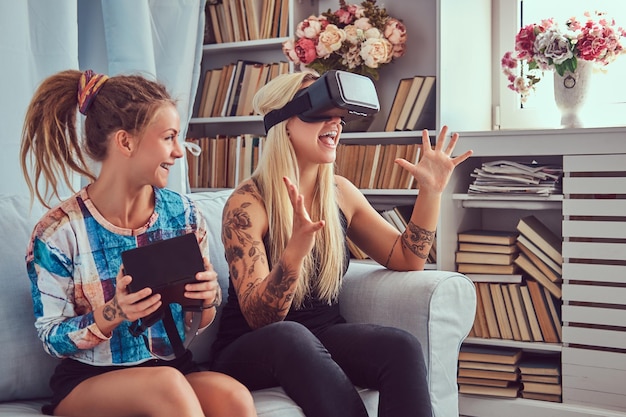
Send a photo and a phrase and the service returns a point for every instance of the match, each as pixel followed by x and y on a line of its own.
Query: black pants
pixel 319 373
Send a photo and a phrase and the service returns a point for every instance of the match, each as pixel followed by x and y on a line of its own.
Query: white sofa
pixel 437 306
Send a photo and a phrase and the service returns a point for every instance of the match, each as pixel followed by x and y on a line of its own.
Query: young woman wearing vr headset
pixel 284 231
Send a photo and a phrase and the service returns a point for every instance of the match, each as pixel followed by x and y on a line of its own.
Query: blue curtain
pixel 162 38
pixel 158 38
pixel 37 39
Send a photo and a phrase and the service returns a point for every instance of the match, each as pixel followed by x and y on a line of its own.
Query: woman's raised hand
pixel 304 229
pixel 435 166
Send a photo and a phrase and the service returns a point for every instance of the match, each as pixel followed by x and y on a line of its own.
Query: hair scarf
pixel 89 85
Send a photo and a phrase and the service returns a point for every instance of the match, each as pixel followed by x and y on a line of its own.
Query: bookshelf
pixel 593 351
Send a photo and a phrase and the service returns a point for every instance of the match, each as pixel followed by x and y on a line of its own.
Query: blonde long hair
pixel 279 160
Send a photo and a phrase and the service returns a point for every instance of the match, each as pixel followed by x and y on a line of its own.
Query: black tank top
pixel 315 314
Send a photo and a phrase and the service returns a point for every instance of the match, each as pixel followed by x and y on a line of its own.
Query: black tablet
pixel 165 266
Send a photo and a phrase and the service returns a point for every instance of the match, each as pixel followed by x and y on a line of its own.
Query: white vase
pixel 570 93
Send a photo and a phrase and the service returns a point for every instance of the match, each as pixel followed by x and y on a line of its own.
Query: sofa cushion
pixel 25 368
pixel 210 204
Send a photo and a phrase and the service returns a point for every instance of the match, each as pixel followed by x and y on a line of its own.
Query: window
pixel 606 104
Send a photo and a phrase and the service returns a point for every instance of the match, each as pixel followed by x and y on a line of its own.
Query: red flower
pixel 305 50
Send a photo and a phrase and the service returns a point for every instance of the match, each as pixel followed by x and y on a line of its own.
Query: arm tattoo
pixel 418 240
pixel 110 312
pixel 391 251
pixel 243 253
pixel 272 304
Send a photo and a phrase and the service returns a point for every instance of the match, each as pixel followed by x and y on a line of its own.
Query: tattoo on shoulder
pixel 418 240
pixel 238 241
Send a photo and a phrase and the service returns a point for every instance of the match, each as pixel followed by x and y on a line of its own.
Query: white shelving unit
pixel 594 375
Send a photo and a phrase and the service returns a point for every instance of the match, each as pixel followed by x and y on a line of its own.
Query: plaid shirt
pixel 73 260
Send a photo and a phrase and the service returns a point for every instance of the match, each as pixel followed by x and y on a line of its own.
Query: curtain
pixel 37 39
pixel 162 39
pixel 158 38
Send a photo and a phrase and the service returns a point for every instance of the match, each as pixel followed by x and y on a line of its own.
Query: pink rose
pixel 395 31
pixel 305 50
pixel 524 41
pixel 289 51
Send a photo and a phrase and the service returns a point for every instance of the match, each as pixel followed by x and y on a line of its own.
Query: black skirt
pixel 70 373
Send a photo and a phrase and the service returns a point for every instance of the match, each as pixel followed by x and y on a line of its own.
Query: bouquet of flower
pixel 544 46
pixel 355 38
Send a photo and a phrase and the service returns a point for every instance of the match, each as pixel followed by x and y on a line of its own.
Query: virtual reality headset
pixel 335 94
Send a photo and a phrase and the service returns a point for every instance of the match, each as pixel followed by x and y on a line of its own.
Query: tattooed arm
pixel 264 296
pixel 408 250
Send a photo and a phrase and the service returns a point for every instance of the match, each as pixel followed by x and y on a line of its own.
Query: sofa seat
pixel 436 306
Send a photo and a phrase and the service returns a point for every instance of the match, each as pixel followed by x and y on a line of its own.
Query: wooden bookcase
pixel 594 337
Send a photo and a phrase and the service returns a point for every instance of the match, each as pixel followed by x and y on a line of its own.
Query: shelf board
pixel 536 346
pixel 553 202
pixel 582 141
pixel 244 45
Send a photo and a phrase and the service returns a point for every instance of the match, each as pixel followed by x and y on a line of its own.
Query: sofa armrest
pixel 436 306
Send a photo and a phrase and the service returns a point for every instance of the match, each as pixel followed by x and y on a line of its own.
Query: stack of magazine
pixel 516 178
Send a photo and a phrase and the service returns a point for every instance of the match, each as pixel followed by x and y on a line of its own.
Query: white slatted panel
pixel 594 274
pixel 601 185
pixel 594 250
pixel 594 294
pixel 594 378
pixel 582 228
pixel 600 207
pixel 591 272
pixel 594 163
pixel 593 315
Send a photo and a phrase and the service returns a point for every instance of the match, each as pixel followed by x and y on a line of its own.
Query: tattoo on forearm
pixel 110 312
pixel 418 240
pixel 271 305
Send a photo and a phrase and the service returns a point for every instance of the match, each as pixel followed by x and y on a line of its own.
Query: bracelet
pixel 210 306
pixel 216 302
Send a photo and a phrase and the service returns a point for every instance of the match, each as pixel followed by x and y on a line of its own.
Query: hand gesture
pixel 304 229
pixel 435 167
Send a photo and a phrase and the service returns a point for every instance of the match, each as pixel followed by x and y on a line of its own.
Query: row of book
pixel 414 105
pixel 228 91
pixel 224 161
pixel 245 20
pixel 518 276
pixel 515 178
pixel 373 166
pixel 398 217
pixel 516 311
pixel 509 373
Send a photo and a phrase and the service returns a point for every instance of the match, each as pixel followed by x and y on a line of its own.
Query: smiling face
pixel 158 147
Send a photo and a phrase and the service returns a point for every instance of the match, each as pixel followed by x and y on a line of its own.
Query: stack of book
pixel 519 299
pixel 414 105
pixel 541 259
pixel 514 178
pixel 487 252
pixel 489 371
pixel 541 377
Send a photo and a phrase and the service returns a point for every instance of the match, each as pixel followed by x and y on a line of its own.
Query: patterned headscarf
pixel 89 85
